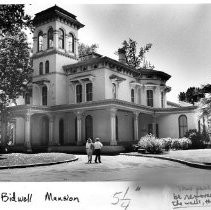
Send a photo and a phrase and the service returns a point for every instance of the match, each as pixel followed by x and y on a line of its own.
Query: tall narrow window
pixel 76 130
pixel 89 92
pixel 199 126
pixel 132 95
pixel 157 130
pixel 41 68
pixel 27 98
pixel 114 90
pixel 61 38
pixel 40 41
pixel 89 127
pixel 50 38
pixel 44 96
pixel 183 125
pixel 71 43
pixel 117 128
pixel 47 67
pixel 78 93
pixel 150 98
pixel 162 99
pixel 61 132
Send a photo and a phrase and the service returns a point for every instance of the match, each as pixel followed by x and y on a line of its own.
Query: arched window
pixel 41 68
pixel 71 43
pixel 78 93
pixel 114 90
pixel 50 38
pixel 117 128
pixel 150 98
pixel 47 67
pixel 132 95
pixel 183 125
pixel 61 132
pixel 89 92
pixel 89 126
pixel 61 38
pixel 44 96
pixel 40 41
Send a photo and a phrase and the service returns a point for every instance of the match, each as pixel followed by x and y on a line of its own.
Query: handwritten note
pixel 191 196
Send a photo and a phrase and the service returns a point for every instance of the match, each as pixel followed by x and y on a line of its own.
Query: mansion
pixel 74 98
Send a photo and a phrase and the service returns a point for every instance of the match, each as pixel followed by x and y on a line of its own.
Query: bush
pixel 151 144
pixel 198 140
pixel 181 144
pixel 166 143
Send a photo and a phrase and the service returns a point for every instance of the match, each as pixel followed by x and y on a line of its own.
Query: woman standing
pixel 89 149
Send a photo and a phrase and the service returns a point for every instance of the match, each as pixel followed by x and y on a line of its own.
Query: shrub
pixel 198 139
pixel 166 143
pixel 181 144
pixel 151 144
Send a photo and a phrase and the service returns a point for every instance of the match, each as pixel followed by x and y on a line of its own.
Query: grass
pixel 26 159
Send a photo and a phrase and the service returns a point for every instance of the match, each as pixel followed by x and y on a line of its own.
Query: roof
pixel 56 12
pixel 100 59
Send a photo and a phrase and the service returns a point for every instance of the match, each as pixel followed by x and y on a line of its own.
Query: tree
pixel 205 106
pixel 134 58
pixel 84 49
pixel 192 95
pixel 13 18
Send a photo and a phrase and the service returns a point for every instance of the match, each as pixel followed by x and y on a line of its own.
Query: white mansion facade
pixel 74 98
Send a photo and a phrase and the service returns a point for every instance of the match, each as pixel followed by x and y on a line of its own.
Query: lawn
pixel 17 159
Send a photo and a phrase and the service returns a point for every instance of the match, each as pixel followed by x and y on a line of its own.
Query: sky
pixel 180 35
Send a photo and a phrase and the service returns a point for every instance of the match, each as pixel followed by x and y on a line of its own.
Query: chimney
pixel 121 53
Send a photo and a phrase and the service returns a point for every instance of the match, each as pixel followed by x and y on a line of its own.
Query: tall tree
pixel 192 95
pixel 134 57
pixel 84 49
pixel 13 18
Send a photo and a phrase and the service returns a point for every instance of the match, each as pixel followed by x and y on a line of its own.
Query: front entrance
pixel 89 127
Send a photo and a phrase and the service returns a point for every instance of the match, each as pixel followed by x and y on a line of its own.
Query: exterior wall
pixel 169 126
pixel 19 137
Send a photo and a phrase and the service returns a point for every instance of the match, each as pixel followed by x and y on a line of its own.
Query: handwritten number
pixel 116 196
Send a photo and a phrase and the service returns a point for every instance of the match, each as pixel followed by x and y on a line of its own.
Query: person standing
pixel 89 149
pixel 98 146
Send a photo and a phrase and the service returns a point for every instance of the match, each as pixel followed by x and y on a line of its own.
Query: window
pixel 117 130
pixel 50 38
pixel 61 38
pixel 199 126
pixel 114 90
pixel 132 96
pixel 150 129
pixel 61 132
pixel 40 41
pixel 89 92
pixel 157 130
pixel 47 67
pixel 150 98
pixel 44 96
pixel 41 68
pixel 89 127
pixel 162 99
pixel 76 130
pixel 71 43
pixel 27 98
pixel 78 93
pixel 183 126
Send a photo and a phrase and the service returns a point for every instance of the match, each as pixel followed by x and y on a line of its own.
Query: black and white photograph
pixel 105 106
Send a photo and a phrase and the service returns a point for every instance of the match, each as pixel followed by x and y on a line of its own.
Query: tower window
pixel 50 38
pixel 150 98
pixel 40 41
pixel 61 38
pixel 47 67
pixel 71 43
pixel 41 68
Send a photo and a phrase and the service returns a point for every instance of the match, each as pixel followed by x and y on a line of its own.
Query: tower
pixel 55 43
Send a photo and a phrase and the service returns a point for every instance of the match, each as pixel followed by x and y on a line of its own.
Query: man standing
pixel 98 145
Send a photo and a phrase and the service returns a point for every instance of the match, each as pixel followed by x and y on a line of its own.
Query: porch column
pixel 136 115
pixel 113 126
pixel 79 130
pixel 154 122
pixel 27 142
pixel 51 129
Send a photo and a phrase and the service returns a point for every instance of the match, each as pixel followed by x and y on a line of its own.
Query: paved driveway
pixel 113 168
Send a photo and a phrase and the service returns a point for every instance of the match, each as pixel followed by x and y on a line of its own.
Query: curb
pixel 188 163
pixel 37 164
